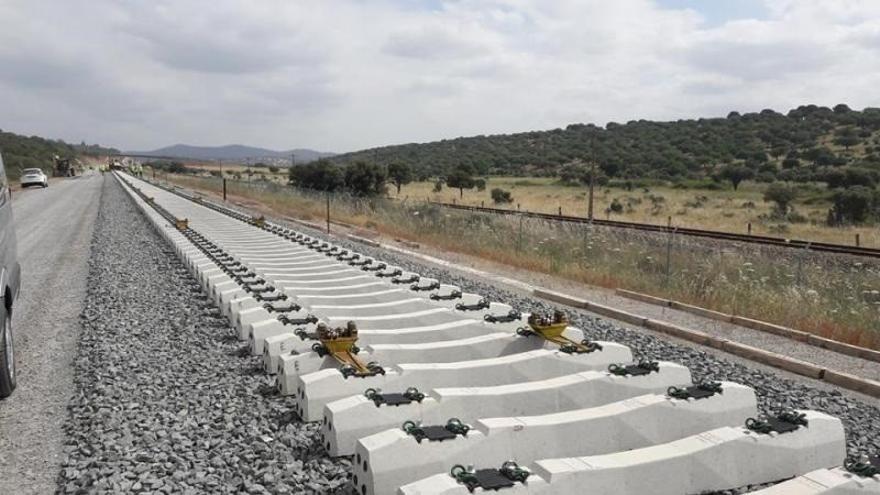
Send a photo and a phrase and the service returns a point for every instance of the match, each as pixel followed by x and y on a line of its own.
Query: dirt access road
pixel 54 228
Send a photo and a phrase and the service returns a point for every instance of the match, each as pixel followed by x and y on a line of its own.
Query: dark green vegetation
pixel 806 136
pixel 836 146
pixel 21 152
pixel 359 178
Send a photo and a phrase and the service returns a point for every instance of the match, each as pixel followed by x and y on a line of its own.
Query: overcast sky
pixel 340 75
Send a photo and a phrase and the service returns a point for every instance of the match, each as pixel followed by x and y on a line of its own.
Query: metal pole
pixel 592 180
pixel 668 255
pixel 858 241
pixel 328 212
pixel 224 189
pixel 520 239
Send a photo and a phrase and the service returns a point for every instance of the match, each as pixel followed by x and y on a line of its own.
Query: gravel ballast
pixel 162 401
pixel 861 418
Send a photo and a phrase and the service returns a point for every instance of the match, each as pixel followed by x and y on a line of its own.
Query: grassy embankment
pixel 834 298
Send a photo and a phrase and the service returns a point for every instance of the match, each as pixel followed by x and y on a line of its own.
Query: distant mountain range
pixel 236 153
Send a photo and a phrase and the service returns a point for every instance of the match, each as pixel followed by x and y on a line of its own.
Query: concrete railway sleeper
pixel 713 460
pixel 856 477
pixel 346 420
pixel 491 398
pixel 393 459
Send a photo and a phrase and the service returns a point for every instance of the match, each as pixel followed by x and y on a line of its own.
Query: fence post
pixel 800 263
pixel 224 189
pixel 858 242
pixel 520 236
pixel 560 211
pixel 669 255
pixel 750 228
pixel 328 212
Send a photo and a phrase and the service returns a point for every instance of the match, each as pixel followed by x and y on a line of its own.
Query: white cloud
pixel 350 74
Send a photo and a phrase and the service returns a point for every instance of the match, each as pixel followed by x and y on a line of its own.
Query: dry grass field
pixel 725 210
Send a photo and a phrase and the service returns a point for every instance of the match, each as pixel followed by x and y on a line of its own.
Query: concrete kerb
pixel 845 380
pixel 769 328
pixel 848 349
pixel 868 387
pixel 638 296
pixel 762 326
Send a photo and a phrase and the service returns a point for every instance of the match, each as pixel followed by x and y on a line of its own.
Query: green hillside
pixel 20 152
pixel 772 145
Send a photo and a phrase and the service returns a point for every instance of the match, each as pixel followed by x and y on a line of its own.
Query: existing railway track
pixel 663 229
pixel 446 379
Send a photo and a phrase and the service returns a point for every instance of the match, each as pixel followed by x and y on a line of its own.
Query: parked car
pixel 10 278
pixel 33 177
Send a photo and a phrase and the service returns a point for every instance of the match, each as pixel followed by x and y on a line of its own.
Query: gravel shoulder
pixel 164 402
pixel 54 229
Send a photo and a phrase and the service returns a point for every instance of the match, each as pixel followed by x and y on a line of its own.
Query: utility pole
pixel 328 212
pixel 592 176
pixel 592 181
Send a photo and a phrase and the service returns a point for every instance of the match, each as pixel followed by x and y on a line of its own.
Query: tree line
pixel 21 152
pixel 806 135
pixel 838 146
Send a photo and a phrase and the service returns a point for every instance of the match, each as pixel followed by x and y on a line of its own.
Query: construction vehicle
pixel 63 168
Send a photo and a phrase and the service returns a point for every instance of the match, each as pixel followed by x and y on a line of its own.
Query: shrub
pixel 616 206
pixel 782 195
pixel 853 205
pixel 500 196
